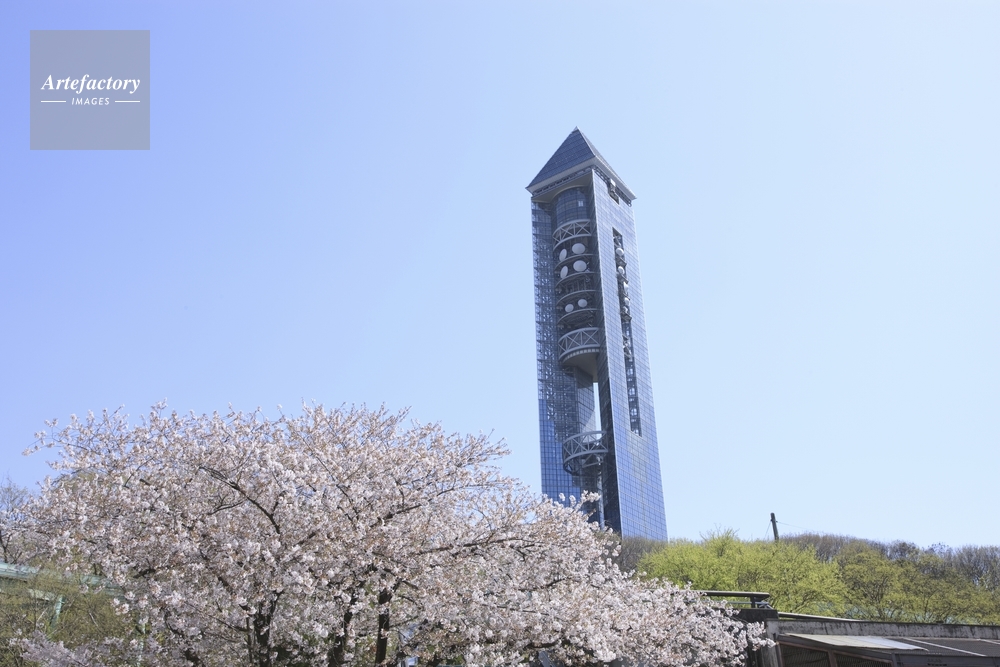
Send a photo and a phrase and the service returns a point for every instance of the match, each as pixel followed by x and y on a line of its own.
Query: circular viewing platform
pixel 582 451
pixel 580 348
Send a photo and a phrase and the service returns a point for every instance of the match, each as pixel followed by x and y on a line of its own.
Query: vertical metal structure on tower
pixel 594 395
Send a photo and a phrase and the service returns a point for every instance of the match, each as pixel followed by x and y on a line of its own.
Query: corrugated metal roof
pixel 979 647
pixel 864 641
pixel 952 647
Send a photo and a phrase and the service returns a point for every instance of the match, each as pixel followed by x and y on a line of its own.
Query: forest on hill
pixel 836 575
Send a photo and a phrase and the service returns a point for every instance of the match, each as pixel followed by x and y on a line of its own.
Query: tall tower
pixel 595 400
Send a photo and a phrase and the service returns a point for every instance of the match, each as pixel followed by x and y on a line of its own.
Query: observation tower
pixel 595 405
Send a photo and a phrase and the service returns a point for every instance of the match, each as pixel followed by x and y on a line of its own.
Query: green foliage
pixel 631 551
pixel 837 575
pixel 916 586
pixel 62 609
pixel 795 578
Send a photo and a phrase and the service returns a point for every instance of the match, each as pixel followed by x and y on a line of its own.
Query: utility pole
pixel 774 526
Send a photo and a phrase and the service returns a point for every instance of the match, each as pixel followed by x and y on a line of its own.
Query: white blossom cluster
pixel 344 537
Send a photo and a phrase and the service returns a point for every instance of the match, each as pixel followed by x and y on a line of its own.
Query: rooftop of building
pixel 575 153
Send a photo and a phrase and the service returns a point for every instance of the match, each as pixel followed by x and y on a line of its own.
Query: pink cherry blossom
pixel 346 537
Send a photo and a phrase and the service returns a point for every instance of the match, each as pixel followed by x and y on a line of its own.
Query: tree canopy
pixel 796 580
pixel 837 575
pixel 342 538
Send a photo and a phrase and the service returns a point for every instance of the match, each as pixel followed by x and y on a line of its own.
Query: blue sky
pixel 333 209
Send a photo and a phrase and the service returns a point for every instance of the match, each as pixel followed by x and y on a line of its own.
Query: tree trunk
pixel 382 642
pixel 259 638
pixel 192 657
pixel 262 639
pixel 336 656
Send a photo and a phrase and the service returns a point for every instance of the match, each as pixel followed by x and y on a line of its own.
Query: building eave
pixel 541 189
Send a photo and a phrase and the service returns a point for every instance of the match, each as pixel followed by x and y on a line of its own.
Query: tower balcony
pixel 570 228
pixel 576 306
pixel 574 267
pixel 585 279
pixel 580 348
pixel 583 451
pixel 573 245
pixel 579 317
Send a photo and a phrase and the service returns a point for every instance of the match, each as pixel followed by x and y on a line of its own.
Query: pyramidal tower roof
pixel 576 152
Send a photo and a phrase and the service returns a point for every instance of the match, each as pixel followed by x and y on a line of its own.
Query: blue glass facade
pixel 597 424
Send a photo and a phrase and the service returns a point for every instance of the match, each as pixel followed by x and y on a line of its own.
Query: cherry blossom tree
pixel 14 544
pixel 342 538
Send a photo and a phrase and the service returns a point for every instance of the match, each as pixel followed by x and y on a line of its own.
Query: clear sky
pixel 333 209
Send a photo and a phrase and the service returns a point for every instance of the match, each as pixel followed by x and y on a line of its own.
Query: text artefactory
pixel 86 83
